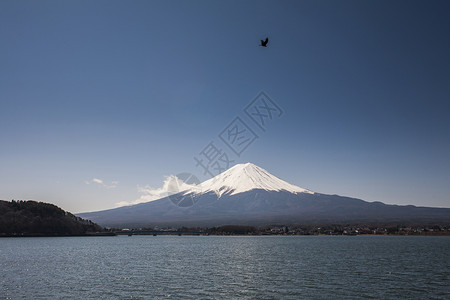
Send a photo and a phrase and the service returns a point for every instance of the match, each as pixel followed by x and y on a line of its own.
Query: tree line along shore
pixel 30 218
pixel 338 229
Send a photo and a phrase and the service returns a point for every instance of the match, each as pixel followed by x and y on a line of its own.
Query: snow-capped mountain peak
pixel 245 177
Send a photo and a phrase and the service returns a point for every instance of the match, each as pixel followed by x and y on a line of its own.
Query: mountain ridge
pixel 247 194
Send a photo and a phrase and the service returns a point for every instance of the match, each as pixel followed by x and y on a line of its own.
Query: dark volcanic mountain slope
pixel 260 207
pixel 247 194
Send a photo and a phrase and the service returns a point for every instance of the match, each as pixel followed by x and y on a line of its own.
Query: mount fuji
pixel 243 178
pixel 247 194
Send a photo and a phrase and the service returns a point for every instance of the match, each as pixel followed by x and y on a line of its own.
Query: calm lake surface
pixel 213 267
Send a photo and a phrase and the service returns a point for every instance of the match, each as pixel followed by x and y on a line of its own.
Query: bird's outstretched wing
pixel 264 42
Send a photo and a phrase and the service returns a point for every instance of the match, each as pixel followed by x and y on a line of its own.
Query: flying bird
pixel 264 43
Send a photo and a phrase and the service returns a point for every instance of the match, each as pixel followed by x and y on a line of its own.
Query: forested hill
pixel 31 218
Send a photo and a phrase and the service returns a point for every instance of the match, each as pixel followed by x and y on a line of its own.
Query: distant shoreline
pixel 225 235
pixel 57 235
pixel 205 233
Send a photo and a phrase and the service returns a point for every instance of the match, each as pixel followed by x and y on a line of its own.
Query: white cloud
pixel 96 180
pixel 101 182
pixel 171 185
pixel 113 184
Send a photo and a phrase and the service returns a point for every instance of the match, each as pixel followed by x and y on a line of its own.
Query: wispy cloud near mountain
pixel 171 185
pixel 100 182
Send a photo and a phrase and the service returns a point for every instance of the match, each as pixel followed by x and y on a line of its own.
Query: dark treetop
pixel 31 218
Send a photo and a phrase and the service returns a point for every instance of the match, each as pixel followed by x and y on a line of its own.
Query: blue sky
pixel 101 100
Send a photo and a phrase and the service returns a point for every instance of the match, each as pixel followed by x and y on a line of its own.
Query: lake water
pixel 213 267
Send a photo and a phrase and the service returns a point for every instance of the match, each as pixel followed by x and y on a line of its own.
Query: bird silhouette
pixel 264 43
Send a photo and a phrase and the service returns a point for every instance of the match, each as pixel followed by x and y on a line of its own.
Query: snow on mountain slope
pixel 245 177
pixel 243 202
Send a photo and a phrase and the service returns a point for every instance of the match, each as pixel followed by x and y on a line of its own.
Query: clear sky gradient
pixel 101 100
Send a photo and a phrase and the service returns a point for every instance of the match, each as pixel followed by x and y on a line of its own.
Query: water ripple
pixel 274 267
